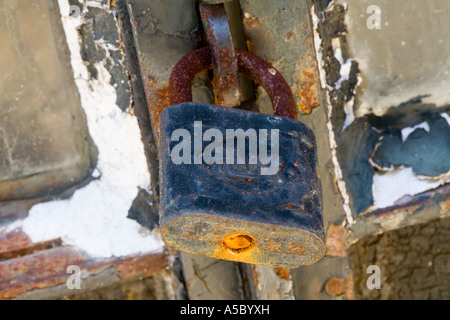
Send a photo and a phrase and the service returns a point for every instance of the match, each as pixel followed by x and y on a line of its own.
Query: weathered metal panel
pixel 43 132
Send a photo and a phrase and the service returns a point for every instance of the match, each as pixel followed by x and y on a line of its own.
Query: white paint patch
pixel 345 65
pixel 390 187
pixel 407 131
pixel 337 169
pixel 344 72
pixel 95 218
pixel 349 114
pixel 94 3
pixel 318 49
pixel 345 68
pixel 446 117
pixel 330 6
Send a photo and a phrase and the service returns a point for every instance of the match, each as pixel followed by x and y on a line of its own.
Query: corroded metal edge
pixel 303 248
pixel 39 266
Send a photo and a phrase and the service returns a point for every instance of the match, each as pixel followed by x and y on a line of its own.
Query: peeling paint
pixel 423 147
pixel 407 131
pixel 404 58
pixel 345 64
pixel 345 72
pixel 446 117
pixel 318 49
pixel 94 219
pixel 321 63
pixel 390 187
pixel 421 131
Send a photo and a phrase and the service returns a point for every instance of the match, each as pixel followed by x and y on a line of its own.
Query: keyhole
pixel 238 243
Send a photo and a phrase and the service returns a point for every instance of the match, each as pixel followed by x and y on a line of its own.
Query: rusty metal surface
pixel 160 43
pixel 233 212
pixel 44 140
pixel 26 266
pixel 225 62
pixel 307 92
pixel 281 247
pixel 414 210
pixel 16 243
pixel 252 66
pixel 280 32
pixel 36 271
pixel 336 241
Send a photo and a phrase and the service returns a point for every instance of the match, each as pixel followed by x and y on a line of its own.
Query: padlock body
pixel 258 211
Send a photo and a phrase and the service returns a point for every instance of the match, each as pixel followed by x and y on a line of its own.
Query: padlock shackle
pixel 257 69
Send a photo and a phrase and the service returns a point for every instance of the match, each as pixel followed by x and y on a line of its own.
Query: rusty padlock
pixel 226 192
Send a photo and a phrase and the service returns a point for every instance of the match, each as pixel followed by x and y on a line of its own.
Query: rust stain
pixel 273 247
pixel 238 243
pixel 445 206
pixel 26 266
pixel 13 240
pixel 283 273
pixel 257 36
pixel 226 75
pixel 37 271
pixel 249 256
pixel 294 248
pixel 336 286
pixel 170 252
pixel 250 22
pixel 158 99
pixel 249 46
pixel 306 95
pixel 16 243
pixel 336 241
pixel 226 78
pixel 289 35
pixel 48 268
pixel 306 83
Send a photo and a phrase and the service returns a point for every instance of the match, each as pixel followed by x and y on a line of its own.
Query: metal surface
pixel 39 270
pixel 44 139
pixel 231 211
pixel 252 66
pixel 226 71
pixel 159 47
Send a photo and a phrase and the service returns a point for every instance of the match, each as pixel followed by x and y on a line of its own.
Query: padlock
pixel 239 185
